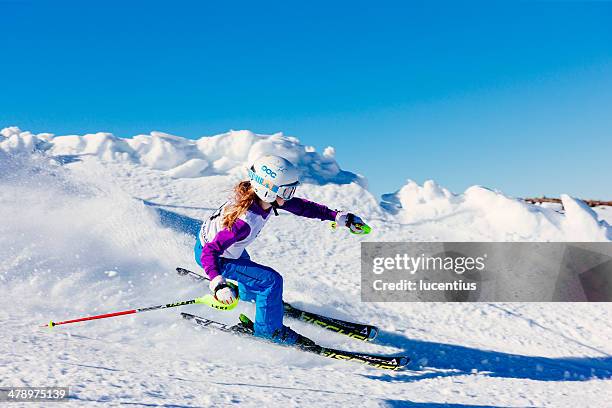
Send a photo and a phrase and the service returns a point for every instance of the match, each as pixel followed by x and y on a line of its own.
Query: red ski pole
pixel 206 300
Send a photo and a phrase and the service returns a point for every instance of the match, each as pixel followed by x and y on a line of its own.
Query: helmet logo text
pixel 268 171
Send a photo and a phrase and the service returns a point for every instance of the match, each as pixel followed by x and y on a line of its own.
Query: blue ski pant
pixel 255 282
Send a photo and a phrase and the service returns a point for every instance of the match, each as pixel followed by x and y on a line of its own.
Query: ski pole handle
pixel 364 228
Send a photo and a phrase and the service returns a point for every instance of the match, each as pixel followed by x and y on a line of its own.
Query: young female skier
pixel 220 245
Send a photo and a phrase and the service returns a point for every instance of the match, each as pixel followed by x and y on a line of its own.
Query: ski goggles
pixel 285 192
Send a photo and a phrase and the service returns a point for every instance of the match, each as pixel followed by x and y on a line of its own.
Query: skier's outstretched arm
pixel 309 209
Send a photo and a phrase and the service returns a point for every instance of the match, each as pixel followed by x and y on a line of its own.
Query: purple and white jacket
pixel 219 242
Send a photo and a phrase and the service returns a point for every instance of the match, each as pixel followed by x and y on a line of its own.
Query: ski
pixel 358 331
pixel 244 329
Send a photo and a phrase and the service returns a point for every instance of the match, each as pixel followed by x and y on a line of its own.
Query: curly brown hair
pixel 244 197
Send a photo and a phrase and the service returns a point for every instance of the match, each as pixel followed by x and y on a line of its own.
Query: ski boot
pixel 286 336
pixel 283 336
pixel 289 337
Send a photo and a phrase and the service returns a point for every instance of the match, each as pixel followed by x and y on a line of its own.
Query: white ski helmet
pixel 273 176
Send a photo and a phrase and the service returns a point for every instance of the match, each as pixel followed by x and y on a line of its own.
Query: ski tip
pixel 372 334
pixel 181 271
pixel 397 363
pixel 403 361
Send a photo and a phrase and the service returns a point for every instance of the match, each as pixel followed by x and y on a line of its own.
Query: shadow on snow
pixel 176 221
pixel 411 404
pixel 455 360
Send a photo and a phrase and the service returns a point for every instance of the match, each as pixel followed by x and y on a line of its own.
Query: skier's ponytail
pixel 243 200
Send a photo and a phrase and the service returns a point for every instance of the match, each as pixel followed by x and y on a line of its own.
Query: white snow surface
pixel 96 223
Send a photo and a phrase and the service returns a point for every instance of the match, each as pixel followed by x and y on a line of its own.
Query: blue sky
pixel 512 95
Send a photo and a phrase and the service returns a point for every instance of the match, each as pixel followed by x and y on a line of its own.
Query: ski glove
pixel 349 220
pixel 222 291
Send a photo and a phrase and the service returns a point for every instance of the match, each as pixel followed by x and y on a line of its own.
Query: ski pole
pixel 205 300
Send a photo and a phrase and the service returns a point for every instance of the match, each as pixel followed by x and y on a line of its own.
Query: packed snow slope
pixel 95 223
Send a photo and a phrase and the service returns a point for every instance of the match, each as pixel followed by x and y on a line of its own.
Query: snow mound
pixel 227 153
pixel 583 221
pixel 15 142
pixel 491 215
pixel 479 214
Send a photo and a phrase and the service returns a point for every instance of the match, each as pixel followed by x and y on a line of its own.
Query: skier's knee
pixel 276 280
